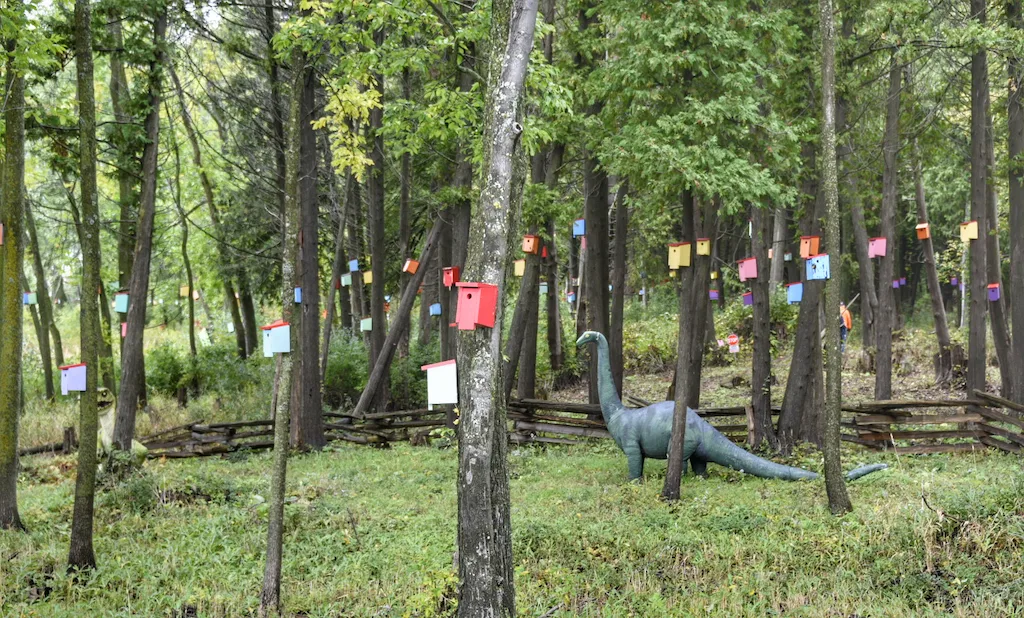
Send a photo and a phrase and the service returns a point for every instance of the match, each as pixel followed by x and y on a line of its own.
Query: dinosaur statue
pixel 644 433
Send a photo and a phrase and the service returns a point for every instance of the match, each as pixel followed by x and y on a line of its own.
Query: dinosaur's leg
pixel 700 467
pixel 636 463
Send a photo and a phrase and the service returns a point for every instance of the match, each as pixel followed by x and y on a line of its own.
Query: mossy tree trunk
pixel 978 311
pixel 887 308
pixel 45 302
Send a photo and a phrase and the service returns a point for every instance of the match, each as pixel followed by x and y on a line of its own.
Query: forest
pixel 391 308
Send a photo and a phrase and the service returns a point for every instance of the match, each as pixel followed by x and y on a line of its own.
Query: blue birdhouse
pixel 543 287
pixel 353 266
pixel 298 295
pixel 435 309
pixel 794 293
pixel 579 228
pixel 817 267
pixel 121 303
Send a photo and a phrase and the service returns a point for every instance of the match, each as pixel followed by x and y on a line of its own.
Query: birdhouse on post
pixel 923 232
pixel 748 268
pixel 451 276
pixel 72 378
pixel 411 266
pixel 968 231
pixel 520 268
pixel 478 304
pixel 703 246
pixel 442 384
pixel 877 246
pixel 531 244
pixel 277 338
pixel 809 246
pixel 993 292
pixel 748 299
pixel 353 266
pixel 121 302
pixel 818 267
pixel 29 298
pixel 794 293
pixel 678 255
pixel 579 228
pixel 435 309
pixel 368 277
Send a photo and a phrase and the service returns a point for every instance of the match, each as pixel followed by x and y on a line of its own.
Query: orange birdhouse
pixel 531 244
pixel 923 232
pixel 809 246
pixel 411 266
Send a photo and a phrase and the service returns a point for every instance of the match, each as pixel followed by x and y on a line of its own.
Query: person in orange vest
pixel 845 325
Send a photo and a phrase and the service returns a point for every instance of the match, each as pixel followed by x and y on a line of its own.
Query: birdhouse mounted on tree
pixel 442 384
pixel 787 257
pixel 993 292
pixel 771 253
pixel 346 279
pixel 678 255
pixel 748 268
pixel 366 324
pixel 923 232
pixel 298 295
pixel 876 247
pixel 520 267
pixel 353 266
pixel 954 281
pixel 451 276
pixel 531 244
pixel 571 297
pixel 818 267
pixel 794 293
pixel 713 294
pixel 1 234
pixel 895 284
pixel 968 231
pixel 124 329
pixel 121 302
pixel 183 291
pixel 748 299
pixel 714 275
pixel 277 338
pixel 478 303
pixel 703 246
pixel 72 378
pixel 543 287
pixel 411 266
pixel 435 309
pixel 809 246
pixel 29 298
pixel 903 281
pixel 579 228
pixel 368 277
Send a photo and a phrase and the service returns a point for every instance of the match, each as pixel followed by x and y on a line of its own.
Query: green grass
pixel 372 533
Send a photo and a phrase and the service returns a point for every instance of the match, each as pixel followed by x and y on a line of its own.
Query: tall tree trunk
pixel 485 533
pixel 994 267
pixel 11 316
pixel 556 352
pixel 618 283
pixel 761 367
pixel 835 485
pixel 193 387
pixel 1015 114
pixel 405 216
pixel 890 187
pixel 80 553
pixel 133 380
pixel 355 252
pixel 128 158
pixel 334 287
pixel 45 303
pixel 979 180
pixel 248 308
pixel 529 292
pixel 375 218
pixel 780 229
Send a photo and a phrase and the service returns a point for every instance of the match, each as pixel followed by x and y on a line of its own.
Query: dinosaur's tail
pixel 723 452
pixel 856 473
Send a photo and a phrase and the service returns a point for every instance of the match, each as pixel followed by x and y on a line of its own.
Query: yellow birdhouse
pixel 520 267
pixel 678 255
pixel 183 291
pixel 368 277
pixel 703 246
pixel 968 231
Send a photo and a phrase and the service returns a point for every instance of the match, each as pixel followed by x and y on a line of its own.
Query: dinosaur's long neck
pixel 611 405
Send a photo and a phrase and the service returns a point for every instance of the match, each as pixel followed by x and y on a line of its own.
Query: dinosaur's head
pixel 587 337
pixel 104 398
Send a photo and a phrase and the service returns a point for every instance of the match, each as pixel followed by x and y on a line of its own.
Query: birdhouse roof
pixel 436 365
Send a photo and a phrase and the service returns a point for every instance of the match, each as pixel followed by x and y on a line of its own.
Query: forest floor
pixel 371 532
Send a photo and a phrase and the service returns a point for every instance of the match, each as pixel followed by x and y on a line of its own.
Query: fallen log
pixel 586 432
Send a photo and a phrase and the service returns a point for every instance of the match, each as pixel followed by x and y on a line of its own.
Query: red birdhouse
pixel 477 305
pixel 451 276
pixel 531 244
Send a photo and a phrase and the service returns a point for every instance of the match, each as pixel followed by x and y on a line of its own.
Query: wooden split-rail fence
pixel 905 426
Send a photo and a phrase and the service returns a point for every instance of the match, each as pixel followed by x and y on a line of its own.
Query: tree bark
pixel 187 263
pixel 133 380
pixel 405 217
pixel 994 262
pixel 45 303
pixel 375 218
pixel 835 485
pixel 761 367
pixel 556 338
pixel 1015 113
pixel 485 535
pixel 334 287
pixel 618 282
pixel 780 230
pixel 127 159
pixel 979 180
pixel 890 187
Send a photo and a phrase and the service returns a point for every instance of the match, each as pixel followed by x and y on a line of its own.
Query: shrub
pixel 165 369
pixel 347 370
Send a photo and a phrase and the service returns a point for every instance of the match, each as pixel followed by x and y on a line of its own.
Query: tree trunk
pixel 127 159
pixel 45 304
pixel 780 230
pixel 405 217
pixel 618 283
pixel 334 287
pixel 1015 113
pixel 521 316
pixel 979 180
pixel 761 367
pixel 994 267
pixel 485 535
pixel 80 553
pixel 890 187
pixel 556 353
pixel 133 378
pixel 835 485
pixel 375 218
pixel 193 388
pixel 248 312
pixel 355 252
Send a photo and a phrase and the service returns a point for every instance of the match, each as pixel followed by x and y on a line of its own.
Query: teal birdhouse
pixel 121 303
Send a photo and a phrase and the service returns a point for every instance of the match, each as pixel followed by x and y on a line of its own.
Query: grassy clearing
pixel 371 533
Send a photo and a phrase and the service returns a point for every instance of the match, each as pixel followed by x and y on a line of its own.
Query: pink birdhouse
pixel 477 305
pixel 748 268
pixel 876 247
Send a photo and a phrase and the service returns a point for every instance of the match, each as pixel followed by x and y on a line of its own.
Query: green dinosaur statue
pixel 643 433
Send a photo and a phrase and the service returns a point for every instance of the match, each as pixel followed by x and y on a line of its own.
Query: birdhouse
pixel 29 298
pixel 124 329
pixel 368 277
pixel 748 299
pixel 520 267
pixel 787 257
pixel 442 383
pixel 993 292
pixel 714 275
pixel 922 231
pixel 366 324
pixel 353 266
pixel 544 252
pixel 1 234
pixel 678 255
pixel 183 291
pixel 411 266
pixel 277 338
pixel 337 284
pixel 195 294
pixel 876 247
pixel 748 268
pixel 346 279
pixel 231 327
pixel 954 281
pixel 903 281
pixel 543 287
pixel 895 284
pixel 72 378
pixel 968 231
pixel 571 297
pixel 703 246
pixel 478 303
pixel 435 309
pixel 794 293
pixel 809 246
pixel 387 306
pixel 771 253
pixel 579 228
pixel 818 267
pixel 298 295
pixel 713 294
pixel 531 244
pixel 451 276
